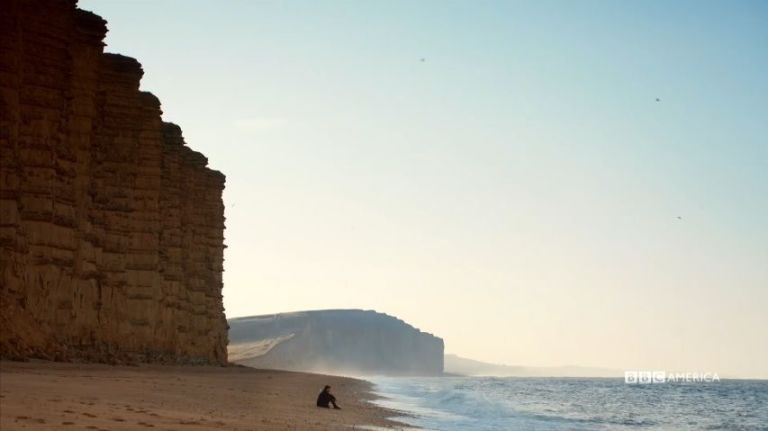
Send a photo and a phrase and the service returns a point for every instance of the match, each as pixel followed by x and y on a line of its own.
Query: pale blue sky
pixel 516 192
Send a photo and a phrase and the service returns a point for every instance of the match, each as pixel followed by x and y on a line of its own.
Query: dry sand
pixel 48 396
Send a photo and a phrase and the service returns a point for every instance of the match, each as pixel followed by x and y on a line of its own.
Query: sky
pixel 539 183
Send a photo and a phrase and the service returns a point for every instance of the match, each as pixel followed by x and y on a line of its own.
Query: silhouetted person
pixel 325 399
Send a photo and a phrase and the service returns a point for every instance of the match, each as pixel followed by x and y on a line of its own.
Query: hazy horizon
pixel 538 183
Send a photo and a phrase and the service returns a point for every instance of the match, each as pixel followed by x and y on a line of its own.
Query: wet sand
pixel 46 396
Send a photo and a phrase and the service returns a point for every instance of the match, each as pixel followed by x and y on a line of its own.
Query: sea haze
pixel 515 403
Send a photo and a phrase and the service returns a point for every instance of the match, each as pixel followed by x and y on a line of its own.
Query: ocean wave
pixel 493 404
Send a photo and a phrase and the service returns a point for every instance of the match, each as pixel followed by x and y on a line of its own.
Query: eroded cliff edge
pixel 111 229
pixel 347 342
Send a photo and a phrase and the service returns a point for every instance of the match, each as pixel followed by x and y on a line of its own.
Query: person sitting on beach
pixel 325 399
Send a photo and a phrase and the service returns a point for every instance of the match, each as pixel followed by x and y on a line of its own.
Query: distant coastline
pixel 460 366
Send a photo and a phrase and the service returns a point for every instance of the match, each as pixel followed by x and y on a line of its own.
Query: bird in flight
pixel 423 60
pixel 679 218
pixel 658 100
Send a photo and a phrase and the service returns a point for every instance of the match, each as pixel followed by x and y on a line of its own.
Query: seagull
pixel 423 59
pixel 679 218
pixel 658 100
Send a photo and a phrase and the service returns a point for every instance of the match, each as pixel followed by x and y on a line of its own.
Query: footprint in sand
pixel 89 415
pixel 27 418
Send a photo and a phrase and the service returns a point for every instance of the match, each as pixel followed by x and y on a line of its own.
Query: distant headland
pixel 357 342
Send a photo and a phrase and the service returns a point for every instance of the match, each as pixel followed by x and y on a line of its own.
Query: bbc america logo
pixel 645 377
pixel 652 377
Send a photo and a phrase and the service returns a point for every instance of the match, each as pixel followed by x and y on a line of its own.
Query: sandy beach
pixel 46 395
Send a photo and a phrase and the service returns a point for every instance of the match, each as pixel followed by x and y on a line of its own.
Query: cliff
pixel 111 229
pixel 335 342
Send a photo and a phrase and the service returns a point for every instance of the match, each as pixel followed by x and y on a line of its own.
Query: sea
pixel 585 404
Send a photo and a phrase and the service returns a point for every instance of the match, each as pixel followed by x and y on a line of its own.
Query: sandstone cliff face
pixel 111 229
pixel 337 342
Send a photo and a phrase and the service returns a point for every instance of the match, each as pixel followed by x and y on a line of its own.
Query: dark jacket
pixel 325 399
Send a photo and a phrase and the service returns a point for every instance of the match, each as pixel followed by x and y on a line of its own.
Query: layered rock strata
pixel 111 228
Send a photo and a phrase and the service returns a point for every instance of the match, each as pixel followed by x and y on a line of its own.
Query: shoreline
pixel 39 395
